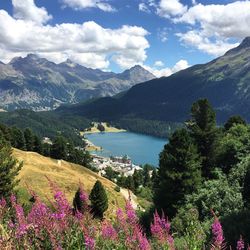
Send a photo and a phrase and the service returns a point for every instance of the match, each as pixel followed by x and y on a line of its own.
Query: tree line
pixel 61 148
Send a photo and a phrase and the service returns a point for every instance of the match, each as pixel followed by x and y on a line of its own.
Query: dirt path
pixel 128 195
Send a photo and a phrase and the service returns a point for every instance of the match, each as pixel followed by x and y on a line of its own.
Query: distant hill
pixel 66 175
pixel 225 81
pixel 36 83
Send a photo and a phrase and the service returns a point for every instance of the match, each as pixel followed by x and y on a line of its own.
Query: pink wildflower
pixel 240 244
pixel 108 231
pixel 131 215
pixel 2 203
pixel 160 230
pixel 217 232
pixel 90 243
pixel 21 224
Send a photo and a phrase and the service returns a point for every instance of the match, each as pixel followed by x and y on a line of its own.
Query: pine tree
pixel 179 172
pixel 234 120
pixel 78 203
pixel 37 145
pixel 202 127
pixel 130 183
pixel 59 148
pixel 9 169
pixel 99 200
pixel 17 138
pixel 138 178
pixel 6 132
pixel 29 139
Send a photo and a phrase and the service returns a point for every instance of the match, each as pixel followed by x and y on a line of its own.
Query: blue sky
pixel 164 36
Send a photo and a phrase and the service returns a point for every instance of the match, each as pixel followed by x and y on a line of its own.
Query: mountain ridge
pixel 39 84
pixel 225 81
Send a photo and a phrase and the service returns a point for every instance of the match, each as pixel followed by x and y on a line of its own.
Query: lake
pixel 140 148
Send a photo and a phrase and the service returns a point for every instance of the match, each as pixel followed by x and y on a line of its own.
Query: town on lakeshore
pixel 122 165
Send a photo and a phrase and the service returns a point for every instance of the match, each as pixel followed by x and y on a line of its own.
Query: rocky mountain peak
pixel 245 43
pixel 32 57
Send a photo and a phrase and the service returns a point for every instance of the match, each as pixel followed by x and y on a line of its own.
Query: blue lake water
pixel 140 148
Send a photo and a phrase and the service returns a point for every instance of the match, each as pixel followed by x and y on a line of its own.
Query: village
pixel 122 165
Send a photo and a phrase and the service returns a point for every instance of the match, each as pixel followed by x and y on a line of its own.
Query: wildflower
pixel 2 203
pixel 240 244
pixel 108 231
pixel 21 225
pixel 143 242
pixel 131 215
pixel 217 232
pixel 90 243
pixel 160 230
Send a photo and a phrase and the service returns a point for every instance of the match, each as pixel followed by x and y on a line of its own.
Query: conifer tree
pixel 9 169
pixel 29 139
pixel 17 138
pixel 78 203
pixel 202 127
pixel 179 172
pixel 59 148
pixel 234 120
pixel 99 200
pixel 37 147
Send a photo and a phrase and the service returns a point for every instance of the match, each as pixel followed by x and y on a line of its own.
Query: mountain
pixel 36 83
pixel 225 81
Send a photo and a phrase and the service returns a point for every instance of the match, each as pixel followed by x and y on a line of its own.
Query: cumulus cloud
pixel 214 26
pixel 83 4
pixel 27 10
pixel 197 40
pixel 88 43
pixel 231 20
pixel 168 8
pixel 180 65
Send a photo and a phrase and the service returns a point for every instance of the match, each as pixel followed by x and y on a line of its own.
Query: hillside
pixel 224 81
pixel 66 175
pixel 36 83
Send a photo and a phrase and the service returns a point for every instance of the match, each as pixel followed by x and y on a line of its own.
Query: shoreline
pixel 94 130
pixel 106 129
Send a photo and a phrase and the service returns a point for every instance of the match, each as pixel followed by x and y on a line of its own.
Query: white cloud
pixel 158 64
pixel 168 8
pixel 214 26
pixel 180 65
pixel 88 44
pixel 83 4
pixel 197 40
pixel 27 10
pixel 144 8
pixel 231 20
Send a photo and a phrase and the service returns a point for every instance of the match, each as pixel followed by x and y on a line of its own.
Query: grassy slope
pixel 66 175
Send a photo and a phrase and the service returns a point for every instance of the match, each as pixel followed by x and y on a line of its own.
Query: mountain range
pixel 36 83
pixel 225 81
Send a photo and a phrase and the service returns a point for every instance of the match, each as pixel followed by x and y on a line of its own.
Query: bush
pixel 117 189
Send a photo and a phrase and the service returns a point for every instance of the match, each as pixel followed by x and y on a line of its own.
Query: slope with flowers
pixel 67 176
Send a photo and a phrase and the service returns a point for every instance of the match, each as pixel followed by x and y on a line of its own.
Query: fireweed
pixel 59 226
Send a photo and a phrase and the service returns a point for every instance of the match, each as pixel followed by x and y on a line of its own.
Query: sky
pixel 164 36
